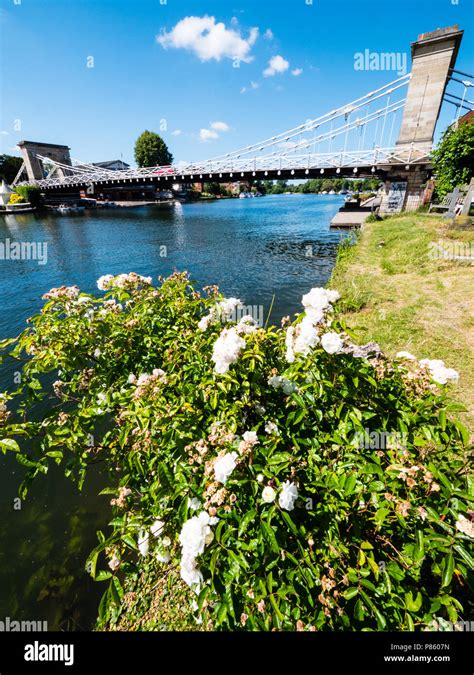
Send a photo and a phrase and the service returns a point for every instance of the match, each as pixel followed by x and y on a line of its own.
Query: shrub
pixel 297 480
pixel 453 159
pixel 31 194
pixel 373 218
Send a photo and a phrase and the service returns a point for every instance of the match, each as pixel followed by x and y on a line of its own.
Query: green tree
pixel 151 150
pixel 9 167
pixel 453 159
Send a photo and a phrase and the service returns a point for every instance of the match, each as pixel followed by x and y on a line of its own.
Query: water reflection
pixel 253 248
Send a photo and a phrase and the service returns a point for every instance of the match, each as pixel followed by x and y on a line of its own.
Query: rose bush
pixel 248 457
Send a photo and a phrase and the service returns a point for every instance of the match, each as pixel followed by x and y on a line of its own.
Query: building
pixel 112 165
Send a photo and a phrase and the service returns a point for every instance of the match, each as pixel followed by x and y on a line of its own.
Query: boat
pixel 64 209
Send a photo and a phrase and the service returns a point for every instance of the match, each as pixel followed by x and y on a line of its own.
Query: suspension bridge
pixel 387 132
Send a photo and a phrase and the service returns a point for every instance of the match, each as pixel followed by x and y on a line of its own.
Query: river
pixel 254 249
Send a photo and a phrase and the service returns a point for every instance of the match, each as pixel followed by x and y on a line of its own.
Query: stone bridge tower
pixel 433 56
pixel 34 166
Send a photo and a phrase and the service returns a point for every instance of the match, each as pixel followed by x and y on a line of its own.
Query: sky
pixel 209 76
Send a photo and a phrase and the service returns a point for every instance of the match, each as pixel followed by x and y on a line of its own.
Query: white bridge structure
pixel 387 132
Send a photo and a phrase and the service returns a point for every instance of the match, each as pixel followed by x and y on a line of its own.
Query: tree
pixel 9 167
pixel 453 159
pixel 151 150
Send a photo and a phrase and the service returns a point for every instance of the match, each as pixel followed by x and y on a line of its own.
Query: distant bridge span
pixel 355 139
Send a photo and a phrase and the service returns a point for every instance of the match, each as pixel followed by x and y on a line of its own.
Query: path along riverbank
pixel 407 284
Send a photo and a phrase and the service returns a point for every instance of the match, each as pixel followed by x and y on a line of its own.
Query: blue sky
pixel 296 62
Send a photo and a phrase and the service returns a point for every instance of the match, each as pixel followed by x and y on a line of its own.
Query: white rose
pixel 114 563
pixel 271 428
pixel 103 283
pixel 224 466
pixel 288 496
pixel 143 543
pixel 331 343
pixel 190 572
pixel 268 494
pixel 194 504
pixel 157 528
pixel 250 437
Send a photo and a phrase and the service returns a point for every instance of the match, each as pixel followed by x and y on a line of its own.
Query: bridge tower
pixel 433 56
pixel 34 166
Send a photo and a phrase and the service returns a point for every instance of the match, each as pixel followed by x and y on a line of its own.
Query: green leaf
pixel 350 484
pixel 448 570
pixel 9 444
pixel 350 592
pixel 130 541
pixel 419 551
pixel 102 575
pixel 359 610
pixel 413 604
pixel 464 555
pixel 249 516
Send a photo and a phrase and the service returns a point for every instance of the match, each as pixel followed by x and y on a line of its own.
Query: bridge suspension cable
pixel 346 130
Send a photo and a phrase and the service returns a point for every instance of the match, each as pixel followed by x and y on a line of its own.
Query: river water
pixel 254 249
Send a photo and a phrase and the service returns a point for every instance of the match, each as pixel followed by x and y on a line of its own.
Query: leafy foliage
pixel 453 159
pixel 373 540
pixel 9 167
pixel 31 194
pixel 151 150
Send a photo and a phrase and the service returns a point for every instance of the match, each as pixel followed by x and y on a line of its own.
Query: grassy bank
pixel 394 291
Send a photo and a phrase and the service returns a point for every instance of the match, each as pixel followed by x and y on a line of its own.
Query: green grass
pixel 156 599
pixel 393 291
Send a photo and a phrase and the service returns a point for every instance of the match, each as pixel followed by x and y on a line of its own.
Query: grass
pixel 394 291
pixel 156 599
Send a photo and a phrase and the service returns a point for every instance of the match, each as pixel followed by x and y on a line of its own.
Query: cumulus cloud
pixel 277 64
pixel 208 135
pixel 297 71
pixel 220 126
pixel 268 35
pixel 209 39
pixel 212 133
pixel 176 132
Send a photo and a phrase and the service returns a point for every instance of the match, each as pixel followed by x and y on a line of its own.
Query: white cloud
pixel 277 64
pixel 208 39
pixel 176 132
pixel 288 145
pixel 220 126
pixel 212 133
pixel 208 135
pixel 268 35
pixel 297 71
pixel 4 133
pixel 252 85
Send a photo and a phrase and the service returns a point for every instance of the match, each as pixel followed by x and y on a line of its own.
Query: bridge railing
pixel 239 168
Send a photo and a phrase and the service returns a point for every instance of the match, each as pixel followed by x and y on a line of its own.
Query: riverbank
pixel 399 291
